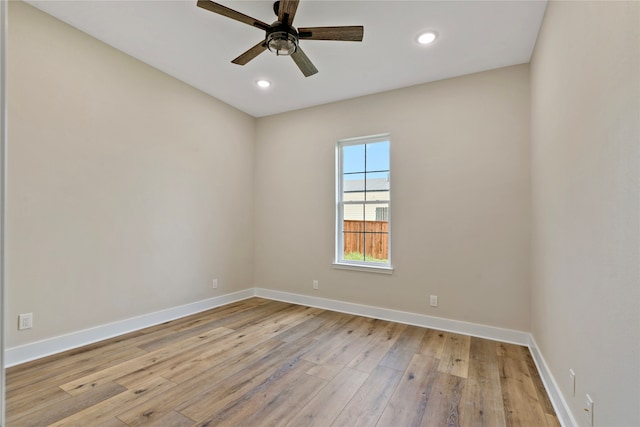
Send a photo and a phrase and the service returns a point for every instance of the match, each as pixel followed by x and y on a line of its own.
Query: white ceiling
pixel 197 46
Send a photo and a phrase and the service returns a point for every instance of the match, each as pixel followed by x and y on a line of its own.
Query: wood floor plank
pixel 405 347
pixel 249 364
pixel 29 395
pixel 367 404
pixel 258 398
pixel 432 344
pixel 69 357
pixel 371 355
pixel 480 408
pixel 254 342
pixel 84 384
pixel 483 350
pixel 514 351
pixel 284 406
pixel 60 409
pixel 325 348
pixel 232 388
pixel 246 311
pixel 343 353
pixel 106 422
pixel 186 364
pixel 303 329
pixel 552 420
pixel 198 384
pixel 335 322
pixel 290 316
pixel 79 364
pixel 520 399
pixel 323 409
pixel 230 363
pixel 482 397
pixel 36 400
pixel 443 405
pixel 455 355
pixel 409 401
pixel 106 411
pixel 177 334
pixel 543 397
pixel 257 315
pixel 216 317
pixel 170 419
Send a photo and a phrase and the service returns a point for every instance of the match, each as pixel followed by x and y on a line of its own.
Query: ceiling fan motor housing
pixel 281 39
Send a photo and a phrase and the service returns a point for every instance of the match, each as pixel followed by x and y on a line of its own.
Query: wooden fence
pixel 367 237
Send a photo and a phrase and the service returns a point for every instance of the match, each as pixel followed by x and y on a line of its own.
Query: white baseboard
pixel 21 354
pixel 563 412
pixel 465 328
pixel 25 353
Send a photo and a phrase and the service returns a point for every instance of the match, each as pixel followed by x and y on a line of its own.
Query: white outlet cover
pixel 433 300
pixel 572 382
pixel 25 321
pixel 588 410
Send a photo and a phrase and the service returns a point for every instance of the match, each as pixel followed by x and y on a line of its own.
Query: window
pixel 363 202
pixel 382 214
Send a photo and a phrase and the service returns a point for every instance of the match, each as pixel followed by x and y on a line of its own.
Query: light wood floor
pixel 260 362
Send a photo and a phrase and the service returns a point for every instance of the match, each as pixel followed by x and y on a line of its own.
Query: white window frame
pixel 339 262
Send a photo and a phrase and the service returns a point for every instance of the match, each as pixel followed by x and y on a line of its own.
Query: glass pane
pixel 381 227
pixel 354 212
pixel 353 242
pixel 377 246
pixel 353 158
pixel 378 156
pixel 376 241
pixel 377 186
pixel 382 213
pixel 353 187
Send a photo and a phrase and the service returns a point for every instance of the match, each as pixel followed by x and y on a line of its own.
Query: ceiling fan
pixel 281 37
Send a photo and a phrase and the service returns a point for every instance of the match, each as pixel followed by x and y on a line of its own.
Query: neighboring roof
pixel 374 184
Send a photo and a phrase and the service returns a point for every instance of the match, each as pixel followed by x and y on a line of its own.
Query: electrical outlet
pixel 215 283
pixel 588 411
pixel 25 321
pixel 572 382
pixel 315 284
pixel 433 300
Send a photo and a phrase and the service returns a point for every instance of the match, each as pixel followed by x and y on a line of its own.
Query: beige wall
pixel 128 190
pixel 585 137
pixel 460 198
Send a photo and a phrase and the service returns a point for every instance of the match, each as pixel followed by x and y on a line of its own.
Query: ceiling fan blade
pixel 287 10
pixel 251 53
pixel 351 34
pixel 230 13
pixel 304 63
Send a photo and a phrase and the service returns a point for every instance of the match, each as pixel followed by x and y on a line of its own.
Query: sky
pixel 376 159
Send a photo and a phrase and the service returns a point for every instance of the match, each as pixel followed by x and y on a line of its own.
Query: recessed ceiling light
pixel 263 83
pixel 427 38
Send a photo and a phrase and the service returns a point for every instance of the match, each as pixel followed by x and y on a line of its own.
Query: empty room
pixel 428 216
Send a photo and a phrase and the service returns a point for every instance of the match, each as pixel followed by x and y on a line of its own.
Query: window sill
pixel 365 268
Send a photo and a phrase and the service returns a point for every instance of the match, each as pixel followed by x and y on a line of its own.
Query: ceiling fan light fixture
pixel 427 38
pixel 282 43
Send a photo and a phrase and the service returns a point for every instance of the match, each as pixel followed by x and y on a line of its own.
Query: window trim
pixel 339 263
